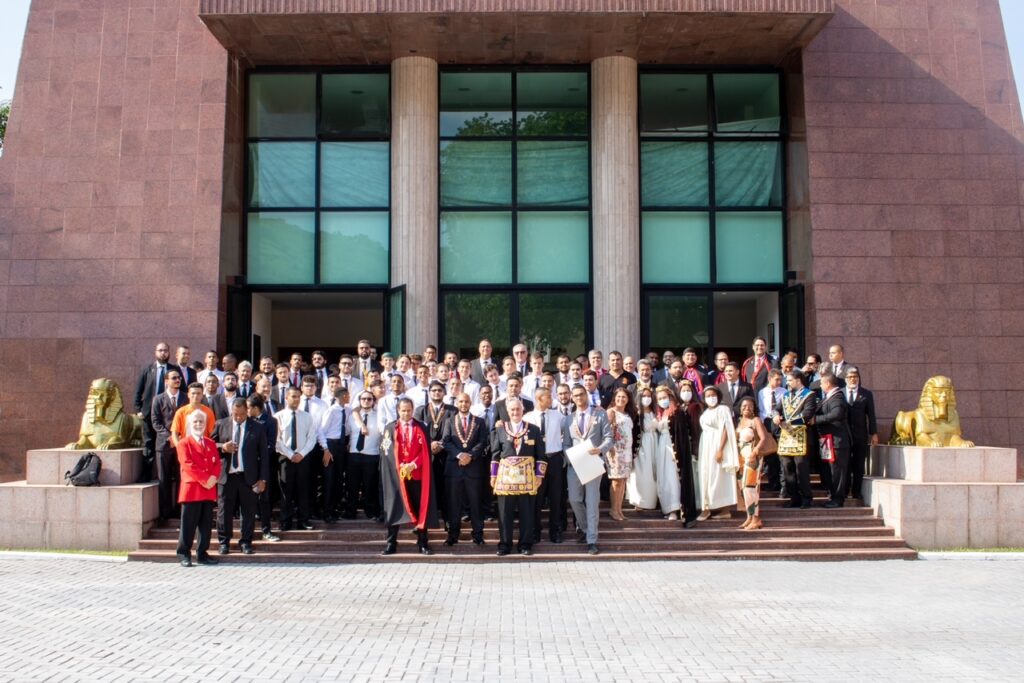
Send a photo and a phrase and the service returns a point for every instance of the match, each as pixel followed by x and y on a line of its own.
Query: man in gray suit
pixel 588 423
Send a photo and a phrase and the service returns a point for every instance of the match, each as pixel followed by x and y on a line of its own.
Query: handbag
pixel 827 447
pixel 768 445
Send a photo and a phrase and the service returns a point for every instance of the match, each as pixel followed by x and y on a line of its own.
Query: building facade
pixel 261 176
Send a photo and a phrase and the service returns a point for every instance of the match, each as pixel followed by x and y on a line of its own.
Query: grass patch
pixel 970 550
pixel 68 551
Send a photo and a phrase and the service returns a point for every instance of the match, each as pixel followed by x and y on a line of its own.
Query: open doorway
pixel 286 322
pixel 741 316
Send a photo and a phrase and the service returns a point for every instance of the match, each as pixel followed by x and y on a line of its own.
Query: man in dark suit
pixel 220 402
pixel 513 389
pixel 755 369
pixel 162 415
pixel 734 389
pixel 518 465
pixel 150 385
pixel 479 365
pixel 259 410
pixel 245 468
pixel 837 364
pixel 365 363
pixel 183 359
pixel 433 415
pixel 466 466
pixel 832 419
pixel 863 427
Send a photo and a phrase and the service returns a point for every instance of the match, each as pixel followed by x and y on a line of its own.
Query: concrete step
pixel 409 555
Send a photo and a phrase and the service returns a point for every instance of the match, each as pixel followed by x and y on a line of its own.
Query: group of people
pixel 421 439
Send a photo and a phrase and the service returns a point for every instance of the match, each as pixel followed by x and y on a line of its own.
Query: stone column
pixel 615 180
pixel 414 145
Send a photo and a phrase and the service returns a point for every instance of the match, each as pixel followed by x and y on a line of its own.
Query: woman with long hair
pixel 666 471
pixel 623 418
pixel 753 440
pixel 642 486
pixel 718 458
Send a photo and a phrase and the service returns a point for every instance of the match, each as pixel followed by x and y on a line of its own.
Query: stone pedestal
pixel 948 497
pixel 43 512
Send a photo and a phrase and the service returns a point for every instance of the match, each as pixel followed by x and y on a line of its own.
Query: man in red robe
pixel 405 474
pixel 200 468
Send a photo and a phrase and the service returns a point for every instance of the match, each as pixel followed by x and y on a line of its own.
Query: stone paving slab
pixel 72 620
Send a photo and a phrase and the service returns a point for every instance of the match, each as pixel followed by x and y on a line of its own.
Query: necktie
pixel 543 428
pixel 594 399
pixel 465 424
pixel 579 423
pixel 853 396
pixel 360 441
pixel 565 410
pixel 343 423
pixel 732 390
pixel 333 401
pixel 306 407
pixel 159 379
pixel 295 431
pixel 238 446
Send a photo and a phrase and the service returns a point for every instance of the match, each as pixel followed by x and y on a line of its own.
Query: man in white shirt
pixel 387 407
pixel 495 382
pixel 531 381
pixel 469 385
pixel 768 400
pixel 362 473
pixel 210 360
pixel 349 380
pixel 296 438
pixel 332 432
pixel 420 394
pixel 479 365
pixel 589 424
pixel 551 423
pixel 590 385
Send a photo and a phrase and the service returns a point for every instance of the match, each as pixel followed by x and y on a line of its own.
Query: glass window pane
pixel 673 104
pixel 747 103
pixel 553 323
pixel 281 248
pixel 471 316
pixel 355 174
pixel 396 310
pixel 281 174
pixel 539 232
pixel 676 247
pixel 354 247
pixel 476 173
pixel 282 105
pixel 476 247
pixel 355 105
pixel 553 173
pixel 674 173
pixel 678 321
pixel 476 104
pixel 748 247
pixel 748 174
pixel 552 103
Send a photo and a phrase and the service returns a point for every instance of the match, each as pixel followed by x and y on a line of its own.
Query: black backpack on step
pixel 86 471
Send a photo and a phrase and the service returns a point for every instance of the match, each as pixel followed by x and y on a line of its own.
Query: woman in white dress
pixel 620 457
pixel 718 459
pixel 666 471
pixel 642 487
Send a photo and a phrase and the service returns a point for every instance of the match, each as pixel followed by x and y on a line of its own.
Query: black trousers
pixel 195 517
pixel 797 473
pixel 234 492
pixel 554 488
pixel 437 463
pixel 294 490
pixel 148 450
pixel 169 477
pixel 772 463
pixel 362 474
pixel 315 458
pixel 858 458
pixel 464 492
pixel 839 471
pixel 507 506
pixel 333 476
pixel 413 490
pixel 687 490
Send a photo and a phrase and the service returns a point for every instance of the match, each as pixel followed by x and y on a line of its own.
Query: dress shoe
pixel 331 519
pixel 805 505
pixel 307 525
pixel 490 518
pixel 581 537
pixel 690 524
pixel 502 552
pixel 536 538
pixel 526 551
pixel 833 504
pixel 348 515
pixel 206 559
pixel 450 541
pixel 426 551
pixel 223 550
pixel 556 538
pixel 286 526
pixel 389 550
pixel 465 518
pixel 247 549
pixel 592 549
pixel 478 541
pixel 186 562
pixel 792 504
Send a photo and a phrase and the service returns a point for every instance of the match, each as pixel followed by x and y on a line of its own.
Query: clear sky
pixel 14 12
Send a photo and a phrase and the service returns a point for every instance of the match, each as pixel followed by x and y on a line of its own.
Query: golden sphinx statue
pixel 935 423
pixel 105 425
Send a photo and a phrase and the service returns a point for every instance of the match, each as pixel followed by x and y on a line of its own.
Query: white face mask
pixel 645 401
pixel 687 396
pixel 712 401
pixel 664 403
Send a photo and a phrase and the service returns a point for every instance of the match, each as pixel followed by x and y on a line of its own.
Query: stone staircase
pixel 848 533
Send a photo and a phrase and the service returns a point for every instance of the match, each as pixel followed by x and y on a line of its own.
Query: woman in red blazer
pixel 200 469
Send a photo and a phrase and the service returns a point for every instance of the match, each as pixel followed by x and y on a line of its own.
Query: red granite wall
pixel 110 205
pixel 914 138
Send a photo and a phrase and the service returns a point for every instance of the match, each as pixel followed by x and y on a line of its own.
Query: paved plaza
pixel 643 621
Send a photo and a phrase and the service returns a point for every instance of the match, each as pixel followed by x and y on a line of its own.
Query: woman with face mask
pixel 666 471
pixel 685 430
pixel 642 488
pixel 718 458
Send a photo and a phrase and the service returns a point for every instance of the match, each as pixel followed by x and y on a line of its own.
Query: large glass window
pixel 701 169
pixel 514 185
pixel 318 194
